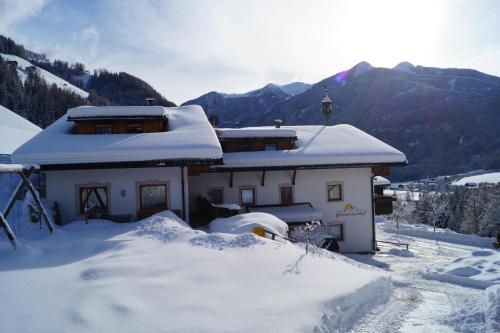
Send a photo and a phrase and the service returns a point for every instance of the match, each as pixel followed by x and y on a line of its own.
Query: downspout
pixel 183 195
pixel 374 240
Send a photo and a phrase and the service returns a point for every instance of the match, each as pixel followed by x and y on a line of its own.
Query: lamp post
pixel 327 105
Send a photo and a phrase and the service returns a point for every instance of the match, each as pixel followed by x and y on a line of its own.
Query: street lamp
pixel 327 105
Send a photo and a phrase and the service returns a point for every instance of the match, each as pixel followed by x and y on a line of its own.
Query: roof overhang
pixel 305 167
pixel 134 164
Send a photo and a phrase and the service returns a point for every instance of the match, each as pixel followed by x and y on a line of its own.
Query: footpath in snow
pixel 159 275
pixel 438 285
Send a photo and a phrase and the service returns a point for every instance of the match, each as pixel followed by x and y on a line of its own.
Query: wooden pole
pixel 8 231
pixel 12 199
pixel 39 204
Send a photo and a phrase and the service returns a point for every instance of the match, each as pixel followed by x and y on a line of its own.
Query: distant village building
pixel 126 163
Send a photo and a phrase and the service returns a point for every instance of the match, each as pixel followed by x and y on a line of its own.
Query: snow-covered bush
pixel 313 233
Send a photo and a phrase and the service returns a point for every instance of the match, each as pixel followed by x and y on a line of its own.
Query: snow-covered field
pixel 159 275
pixel 420 304
pixel 492 177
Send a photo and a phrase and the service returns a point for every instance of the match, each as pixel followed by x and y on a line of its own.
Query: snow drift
pixel 160 275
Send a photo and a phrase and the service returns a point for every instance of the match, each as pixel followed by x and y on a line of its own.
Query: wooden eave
pixel 134 164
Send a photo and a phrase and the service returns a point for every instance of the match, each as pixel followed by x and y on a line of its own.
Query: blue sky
pixel 187 48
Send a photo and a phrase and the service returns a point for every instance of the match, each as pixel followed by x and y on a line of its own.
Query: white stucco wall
pixel 62 186
pixel 310 186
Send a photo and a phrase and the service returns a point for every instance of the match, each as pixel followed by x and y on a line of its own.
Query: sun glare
pixel 387 32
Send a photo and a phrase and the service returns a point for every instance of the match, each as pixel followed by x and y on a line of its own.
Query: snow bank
pixel 244 223
pixel 339 144
pixel 190 136
pixel 492 309
pixel 479 270
pixel 426 231
pixel 159 275
pixel 14 131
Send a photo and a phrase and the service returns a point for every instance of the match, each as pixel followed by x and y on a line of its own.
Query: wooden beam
pixel 294 175
pixel 8 231
pixel 231 179
pixel 381 170
pixel 12 199
pixel 263 177
pixel 39 204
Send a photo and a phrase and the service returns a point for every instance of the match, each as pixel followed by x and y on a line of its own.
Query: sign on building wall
pixel 351 210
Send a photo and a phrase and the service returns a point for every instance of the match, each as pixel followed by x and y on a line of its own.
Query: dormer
pixel 118 119
pixel 256 139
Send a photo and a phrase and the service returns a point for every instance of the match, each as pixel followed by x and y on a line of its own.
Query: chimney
pixel 150 101
pixel 277 123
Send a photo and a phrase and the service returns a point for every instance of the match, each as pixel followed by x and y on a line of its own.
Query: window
pixel 94 198
pixel 216 195
pixel 336 231
pixel 244 147
pixel 247 196
pixel 334 192
pixel 134 128
pixel 286 195
pixel 271 146
pixel 103 129
pixel 153 197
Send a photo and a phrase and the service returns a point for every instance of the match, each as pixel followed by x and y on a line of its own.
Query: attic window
pixel 244 147
pixel 134 128
pixel 271 146
pixel 103 129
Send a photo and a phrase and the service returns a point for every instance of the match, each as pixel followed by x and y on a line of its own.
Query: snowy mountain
pixel 445 119
pixel 14 131
pixel 295 88
pixel 23 66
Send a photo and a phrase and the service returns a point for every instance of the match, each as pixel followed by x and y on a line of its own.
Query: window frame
pixel 254 191
pixel 292 189
pixel 103 125
pixel 244 147
pixel 221 189
pixel 342 232
pixel 341 192
pixel 81 188
pixel 167 195
pixel 138 124
pixel 275 145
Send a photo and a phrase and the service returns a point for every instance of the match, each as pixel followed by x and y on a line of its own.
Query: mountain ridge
pixel 444 119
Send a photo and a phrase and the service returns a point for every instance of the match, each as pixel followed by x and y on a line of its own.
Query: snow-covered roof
pixel 321 145
pixel 379 180
pixel 256 132
pixel 291 214
pixel 116 112
pixel 50 78
pixel 190 136
pixel 14 131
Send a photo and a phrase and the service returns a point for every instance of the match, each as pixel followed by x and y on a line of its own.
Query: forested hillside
pixel 29 95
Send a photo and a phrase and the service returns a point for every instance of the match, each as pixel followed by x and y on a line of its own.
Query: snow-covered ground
pixel 14 131
pixel 420 304
pixel 159 275
pixel 492 177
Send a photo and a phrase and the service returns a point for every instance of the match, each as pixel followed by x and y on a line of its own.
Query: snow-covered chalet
pixel 124 163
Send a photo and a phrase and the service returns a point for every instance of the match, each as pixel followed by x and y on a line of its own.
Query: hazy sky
pixel 187 48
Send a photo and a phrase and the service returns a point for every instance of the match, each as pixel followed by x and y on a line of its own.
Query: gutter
pixel 374 240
